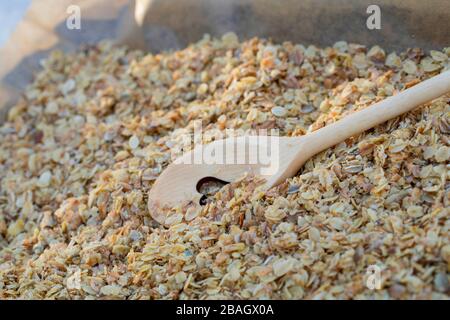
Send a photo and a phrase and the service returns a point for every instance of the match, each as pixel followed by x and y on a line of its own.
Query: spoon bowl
pixel 226 160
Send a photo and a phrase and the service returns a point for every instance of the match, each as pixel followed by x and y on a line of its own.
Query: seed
pixel 429 65
pixel 202 89
pixel 252 114
pixel 376 53
pixel 336 223
pixel 415 211
pixel 192 213
pixel 360 61
pixel 397 224
pixel 51 108
pixel 410 67
pixel 133 142
pixel 307 108
pixel 342 46
pixel 109 136
pixel 353 168
pixel 314 234
pixel 445 253
pixel 180 277
pixel 442 154
pixel 283 266
pixel 293 189
pixel 119 249
pixel 393 60
pixel 397 147
pixel 174 219
pixel 162 289
pixel 135 235
pixel 222 119
pixel 279 111
pixel 438 56
pixel 441 282
pixel 15 228
pixel 68 86
pixel 44 179
pixel 111 290
pixel 230 40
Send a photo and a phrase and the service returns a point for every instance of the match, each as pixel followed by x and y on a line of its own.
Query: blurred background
pixel 10 14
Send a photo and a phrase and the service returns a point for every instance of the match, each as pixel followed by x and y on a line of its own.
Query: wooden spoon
pixel 178 184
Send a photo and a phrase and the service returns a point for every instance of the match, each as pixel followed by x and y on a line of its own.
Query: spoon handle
pixel 379 112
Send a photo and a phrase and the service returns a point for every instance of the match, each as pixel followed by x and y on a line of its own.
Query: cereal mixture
pixel 82 149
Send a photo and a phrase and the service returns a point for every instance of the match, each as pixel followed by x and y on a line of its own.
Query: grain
pixel 78 158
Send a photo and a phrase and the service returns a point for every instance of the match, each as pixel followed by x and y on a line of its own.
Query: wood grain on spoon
pixel 178 183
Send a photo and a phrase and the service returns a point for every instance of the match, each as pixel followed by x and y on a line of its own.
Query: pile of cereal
pixel 81 150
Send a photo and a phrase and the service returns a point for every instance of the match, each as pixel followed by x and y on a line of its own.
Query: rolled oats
pixel 82 149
